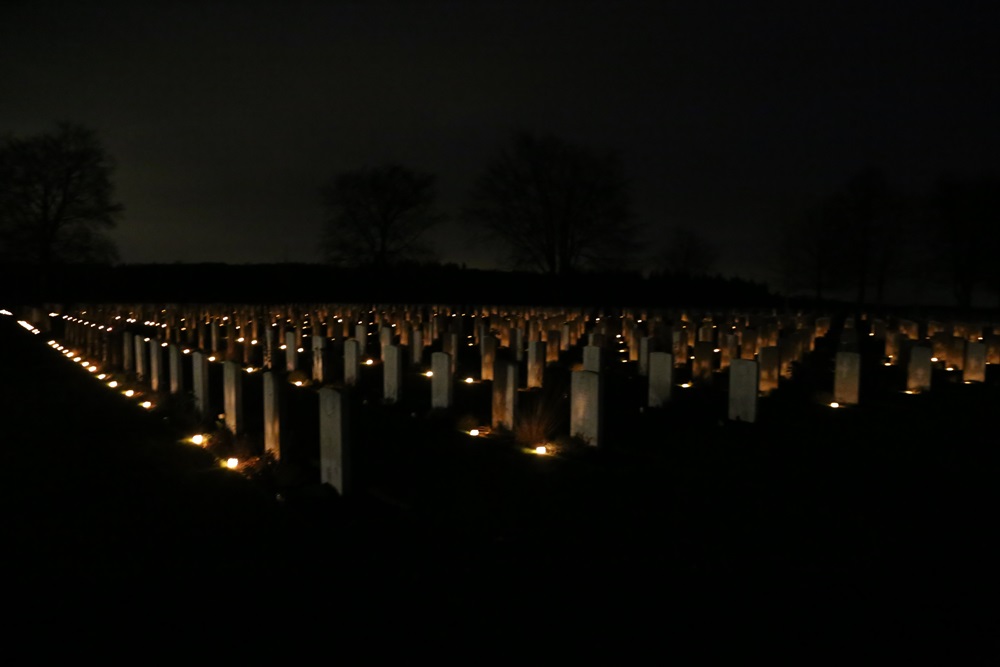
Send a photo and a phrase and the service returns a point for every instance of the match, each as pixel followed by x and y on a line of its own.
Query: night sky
pixel 225 119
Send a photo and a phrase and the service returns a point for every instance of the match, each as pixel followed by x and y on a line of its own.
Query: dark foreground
pixel 875 522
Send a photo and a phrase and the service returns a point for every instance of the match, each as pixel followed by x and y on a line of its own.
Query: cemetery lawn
pixel 873 511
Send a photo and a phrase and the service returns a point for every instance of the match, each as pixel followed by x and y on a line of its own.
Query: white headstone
pixel 585 407
pixel 232 391
pixel 743 390
pixel 661 378
pixel 847 377
pixel 334 442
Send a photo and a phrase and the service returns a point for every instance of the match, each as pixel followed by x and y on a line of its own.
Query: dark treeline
pixel 419 283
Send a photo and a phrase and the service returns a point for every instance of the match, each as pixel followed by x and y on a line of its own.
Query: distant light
pixel 253 342
pixel 469 380
pixel 368 362
pixel 164 344
pixel 716 350
pixel 186 351
pixel 198 439
pixel 77 359
pixel 232 463
pixel 146 404
pixel 541 449
pixel 429 374
pixel 835 405
pixel 300 350
pixel 130 393
pixel 686 385
pixel 298 383
pixel 113 384
pixel 474 432
pixel 212 358
pixel 282 347
pixel 101 376
pixel 92 369
pixel 934 359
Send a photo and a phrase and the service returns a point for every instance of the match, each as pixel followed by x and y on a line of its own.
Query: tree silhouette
pixel 558 207
pixel 960 224
pixel 810 251
pixel 688 253
pixel 377 216
pixel 56 198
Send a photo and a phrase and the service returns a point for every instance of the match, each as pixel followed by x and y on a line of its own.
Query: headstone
pixel 974 369
pixel 334 440
pixel 416 347
pixel 155 365
pixel 585 407
pixel 536 364
pixel 488 354
pixel 392 373
pixel 743 390
pixel 769 368
pixel 847 377
pixel 386 335
pixel 273 409
pixel 748 344
pixel 918 371
pixel 141 359
pixel 443 380
pixel 176 377
pixel 352 361
pixel 593 358
pixel 361 335
pixel 661 378
pixel 505 383
pixel 319 359
pixel 199 380
pixel 291 351
pixel 704 355
pixel 232 388
pixel 645 347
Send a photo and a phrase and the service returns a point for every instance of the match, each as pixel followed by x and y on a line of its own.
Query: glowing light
pixel 909 391
pixel 101 376
pixel 113 384
pixel 429 374
pixel 77 359
pixel 474 432
pixel 301 350
pixel 240 339
pixel 282 347
pixel 198 439
pixel 298 383
pixel 130 393
pixel 541 449
pixel 469 380
pixel 950 368
pixel 146 404
pixel 231 463
pixel 253 342
pixel 86 364
pixel 716 350
pixel 686 385
pixel 369 362
pixel 146 340
pixel 835 405
pixel 212 358
pixel 934 359
pixel 888 363
pixel 92 369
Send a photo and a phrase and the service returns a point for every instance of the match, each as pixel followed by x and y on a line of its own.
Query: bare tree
pixel 56 198
pixel 689 253
pixel 558 207
pixel 378 216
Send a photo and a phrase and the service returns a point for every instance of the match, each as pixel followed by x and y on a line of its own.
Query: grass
pixel 899 489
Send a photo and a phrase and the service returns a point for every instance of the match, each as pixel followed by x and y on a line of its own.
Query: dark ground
pixel 873 523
